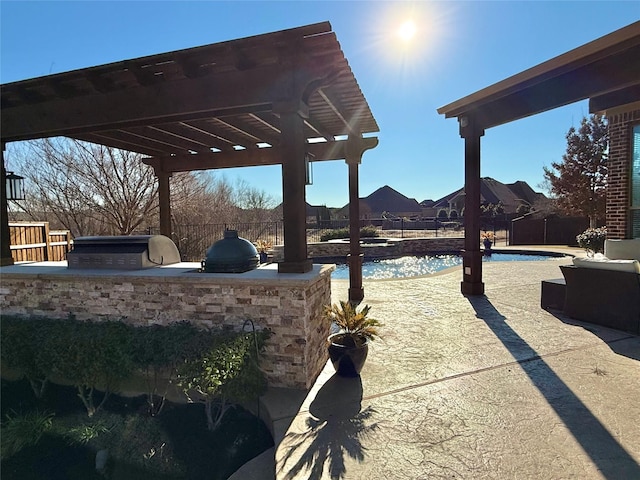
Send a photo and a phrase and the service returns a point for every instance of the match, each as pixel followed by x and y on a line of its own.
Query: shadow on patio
pixel 336 426
pixel 611 458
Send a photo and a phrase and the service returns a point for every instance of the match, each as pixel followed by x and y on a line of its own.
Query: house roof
pixel 494 192
pixel 205 107
pixel 523 191
pixel 606 71
pixel 390 200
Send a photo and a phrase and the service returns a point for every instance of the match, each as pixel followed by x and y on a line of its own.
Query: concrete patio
pixel 466 387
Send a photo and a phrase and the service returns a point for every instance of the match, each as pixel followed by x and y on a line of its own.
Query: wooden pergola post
pixel 164 201
pixel 471 256
pixel 293 192
pixel 5 240
pixel 355 257
pixel 355 149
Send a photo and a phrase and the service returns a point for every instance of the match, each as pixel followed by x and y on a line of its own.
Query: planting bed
pixel 174 445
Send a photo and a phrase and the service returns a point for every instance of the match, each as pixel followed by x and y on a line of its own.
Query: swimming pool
pixel 424 265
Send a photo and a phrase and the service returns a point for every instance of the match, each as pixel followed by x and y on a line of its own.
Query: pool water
pixel 424 265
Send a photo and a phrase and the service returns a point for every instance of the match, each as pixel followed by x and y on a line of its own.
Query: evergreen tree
pixel 579 182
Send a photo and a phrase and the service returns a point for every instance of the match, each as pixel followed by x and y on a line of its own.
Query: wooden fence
pixel 34 242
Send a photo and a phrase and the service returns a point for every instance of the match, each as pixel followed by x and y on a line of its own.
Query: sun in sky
pixel 404 38
pixel 407 31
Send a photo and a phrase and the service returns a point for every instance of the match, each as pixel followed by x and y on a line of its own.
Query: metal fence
pixel 194 240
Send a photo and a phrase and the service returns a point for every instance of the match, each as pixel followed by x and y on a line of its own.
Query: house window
pixel 635 184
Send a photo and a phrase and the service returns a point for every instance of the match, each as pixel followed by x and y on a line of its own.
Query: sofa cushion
pixel 604 263
pixel 622 249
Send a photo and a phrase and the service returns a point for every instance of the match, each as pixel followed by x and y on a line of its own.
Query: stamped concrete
pixel 469 387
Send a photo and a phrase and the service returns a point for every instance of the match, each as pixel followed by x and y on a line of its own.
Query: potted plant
pixel 263 246
pixel 487 239
pixel 592 240
pixel 348 348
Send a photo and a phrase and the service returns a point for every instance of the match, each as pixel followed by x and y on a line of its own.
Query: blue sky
pixel 460 47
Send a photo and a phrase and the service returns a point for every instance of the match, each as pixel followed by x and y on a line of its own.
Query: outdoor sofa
pixel 605 289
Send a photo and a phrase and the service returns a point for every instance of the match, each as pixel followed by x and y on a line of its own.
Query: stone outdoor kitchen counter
pixel 290 305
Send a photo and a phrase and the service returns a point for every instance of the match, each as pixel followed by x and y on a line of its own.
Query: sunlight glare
pixel 407 31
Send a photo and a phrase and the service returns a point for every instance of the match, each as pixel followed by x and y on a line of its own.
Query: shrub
pixel 453 215
pixel 84 353
pixel 159 350
pixel 592 239
pixel 19 431
pixel 334 234
pixel 84 433
pixel 25 347
pixel 220 366
pixel 94 355
pixel 367 231
pixel 228 373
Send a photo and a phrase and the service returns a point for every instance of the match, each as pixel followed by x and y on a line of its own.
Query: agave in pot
pixel 348 348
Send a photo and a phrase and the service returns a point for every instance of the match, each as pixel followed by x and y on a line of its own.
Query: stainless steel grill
pixel 123 252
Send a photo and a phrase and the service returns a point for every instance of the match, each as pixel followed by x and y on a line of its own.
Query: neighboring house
pixel 524 192
pixel 387 201
pixel 314 213
pixel 428 208
pixel 317 213
pixel 493 192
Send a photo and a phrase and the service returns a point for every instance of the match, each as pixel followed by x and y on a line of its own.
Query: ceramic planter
pixel 346 359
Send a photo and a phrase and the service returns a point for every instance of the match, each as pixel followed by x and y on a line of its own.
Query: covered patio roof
pixel 286 97
pixel 206 107
pixel 605 71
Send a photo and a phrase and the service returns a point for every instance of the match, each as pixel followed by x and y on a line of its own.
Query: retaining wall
pixel 382 248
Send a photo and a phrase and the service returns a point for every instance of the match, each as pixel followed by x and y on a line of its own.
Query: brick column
pixel 619 169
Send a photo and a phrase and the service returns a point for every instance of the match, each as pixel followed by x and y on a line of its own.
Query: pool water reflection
pixel 423 265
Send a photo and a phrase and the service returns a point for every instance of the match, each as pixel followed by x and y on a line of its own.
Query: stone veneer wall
pixel 290 307
pixel 619 168
pixel 394 247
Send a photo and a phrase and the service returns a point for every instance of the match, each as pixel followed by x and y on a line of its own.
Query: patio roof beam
pixel 562 90
pixel 582 73
pixel 251 158
pixel 624 96
pixel 201 97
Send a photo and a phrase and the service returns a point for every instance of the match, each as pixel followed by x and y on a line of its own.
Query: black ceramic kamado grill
pixel 232 254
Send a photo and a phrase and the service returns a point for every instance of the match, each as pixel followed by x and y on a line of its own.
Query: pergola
pixel 606 71
pixel 247 102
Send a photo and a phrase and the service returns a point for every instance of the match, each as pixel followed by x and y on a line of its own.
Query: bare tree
pixel 201 205
pixel 96 190
pixel 257 205
pixel 90 189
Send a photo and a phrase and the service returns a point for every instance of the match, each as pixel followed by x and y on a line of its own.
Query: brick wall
pixel 289 305
pixel 619 163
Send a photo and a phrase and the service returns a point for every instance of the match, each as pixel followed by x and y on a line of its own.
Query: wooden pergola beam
pixel 251 157
pixel 202 97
